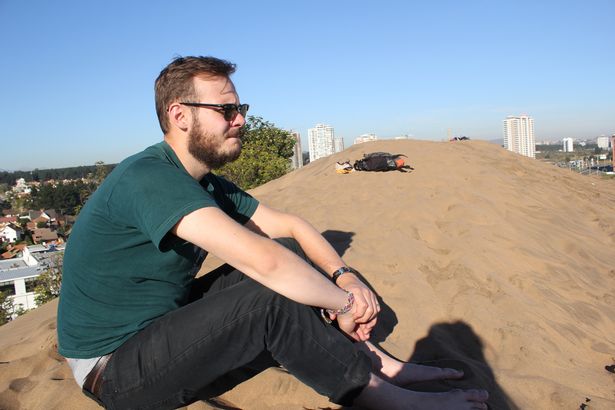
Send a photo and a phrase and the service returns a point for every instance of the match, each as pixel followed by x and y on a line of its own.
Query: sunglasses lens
pixel 230 110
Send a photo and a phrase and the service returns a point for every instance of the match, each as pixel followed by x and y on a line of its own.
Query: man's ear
pixel 179 116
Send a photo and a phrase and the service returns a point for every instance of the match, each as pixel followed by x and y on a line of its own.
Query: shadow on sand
pixel 453 345
pixel 340 240
pixel 457 346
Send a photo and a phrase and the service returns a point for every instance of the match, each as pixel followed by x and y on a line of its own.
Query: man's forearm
pixel 293 277
pixel 276 224
pixel 316 247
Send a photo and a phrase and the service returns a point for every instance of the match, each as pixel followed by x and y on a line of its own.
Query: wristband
pixel 341 271
pixel 345 309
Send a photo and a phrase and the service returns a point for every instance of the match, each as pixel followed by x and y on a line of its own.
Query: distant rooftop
pixel 8 275
pixel 43 248
pixel 12 264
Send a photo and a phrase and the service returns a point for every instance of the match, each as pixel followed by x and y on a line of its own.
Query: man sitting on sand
pixel 140 332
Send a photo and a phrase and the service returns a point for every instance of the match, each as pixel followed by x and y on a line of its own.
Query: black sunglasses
pixel 229 110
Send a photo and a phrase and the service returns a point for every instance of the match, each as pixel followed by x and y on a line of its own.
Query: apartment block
pixel 321 141
pixel 519 135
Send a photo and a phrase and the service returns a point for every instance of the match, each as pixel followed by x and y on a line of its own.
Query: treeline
pixel 65 198
pixel 40 175
pixel 265 156
pixel 587 149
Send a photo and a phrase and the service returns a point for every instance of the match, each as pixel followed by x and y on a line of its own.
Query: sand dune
pixel 483 258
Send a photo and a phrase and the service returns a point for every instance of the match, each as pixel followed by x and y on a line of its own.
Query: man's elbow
pixel 296 224
pixel 269 258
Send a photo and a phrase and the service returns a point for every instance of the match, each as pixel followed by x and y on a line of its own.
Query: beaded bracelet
pixel 345 309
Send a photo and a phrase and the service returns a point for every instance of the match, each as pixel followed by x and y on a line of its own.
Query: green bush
pixel 264 156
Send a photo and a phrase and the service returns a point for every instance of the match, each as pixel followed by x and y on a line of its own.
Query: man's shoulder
pixel 133 175
pixel 148 165
pixel 151 156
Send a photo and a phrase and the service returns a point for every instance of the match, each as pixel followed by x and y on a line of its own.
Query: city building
pixel 339 144
pixel 18 275
pixel 567 145
pixel 321 140
pixel 21 186
pixel 519 135
pixel 365 138
pixel 603 142
pixel 297 158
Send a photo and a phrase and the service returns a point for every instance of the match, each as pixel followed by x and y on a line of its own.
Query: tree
pixel 19 202
pixel 6 308
pixel 264 156
pixel 100 172
pixel 48 283
pixel 96 178
pixel 64 197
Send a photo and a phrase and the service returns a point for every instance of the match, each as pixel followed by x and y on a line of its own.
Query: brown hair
pixel 175 81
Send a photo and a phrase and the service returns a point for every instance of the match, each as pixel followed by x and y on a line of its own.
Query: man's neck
pixel 195 168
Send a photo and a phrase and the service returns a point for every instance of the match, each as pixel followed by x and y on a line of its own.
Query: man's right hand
pixel 366 302
pixel 357 331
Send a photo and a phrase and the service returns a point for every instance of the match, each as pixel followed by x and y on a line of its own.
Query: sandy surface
pixel 496 261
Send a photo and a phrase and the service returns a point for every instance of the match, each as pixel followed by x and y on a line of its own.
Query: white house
pixel 19 283
pixel 21 186
pixel 10 233
pixel 18 275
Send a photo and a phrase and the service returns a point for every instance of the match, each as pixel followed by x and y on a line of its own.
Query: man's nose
pixel 239 120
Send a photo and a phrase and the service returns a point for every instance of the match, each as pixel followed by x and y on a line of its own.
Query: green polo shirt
pixel 122 267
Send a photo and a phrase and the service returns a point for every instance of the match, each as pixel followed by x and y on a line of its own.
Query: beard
pixel 208 148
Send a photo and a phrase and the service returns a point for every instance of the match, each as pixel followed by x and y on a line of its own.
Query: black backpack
pixel 382 161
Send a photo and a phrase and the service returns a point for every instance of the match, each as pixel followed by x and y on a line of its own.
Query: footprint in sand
pixel 21 385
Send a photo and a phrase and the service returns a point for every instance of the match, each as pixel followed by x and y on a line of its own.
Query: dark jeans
pixel 235 329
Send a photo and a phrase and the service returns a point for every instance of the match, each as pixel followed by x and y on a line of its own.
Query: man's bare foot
pixel 402 373
pixel 379 394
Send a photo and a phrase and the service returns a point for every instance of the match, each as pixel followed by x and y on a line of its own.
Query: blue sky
pixel 76 77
